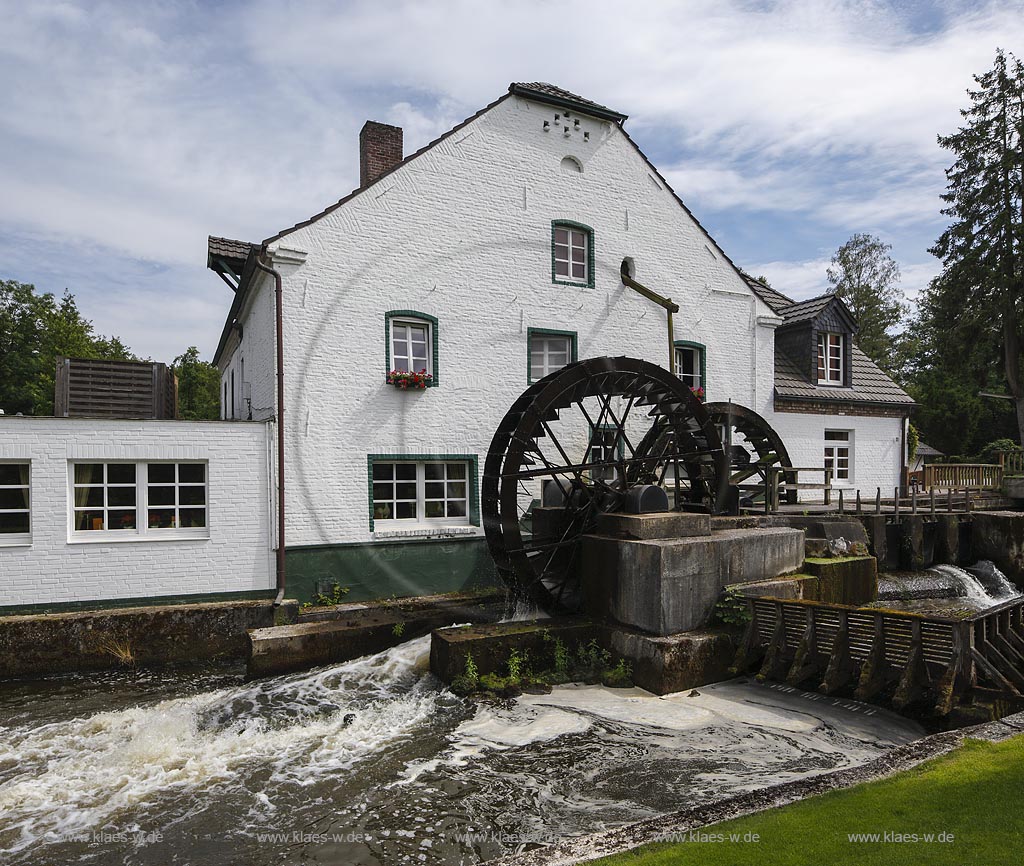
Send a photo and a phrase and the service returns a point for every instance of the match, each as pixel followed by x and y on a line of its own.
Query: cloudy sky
pixel 130 131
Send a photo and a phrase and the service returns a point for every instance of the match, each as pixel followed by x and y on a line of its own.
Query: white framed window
pixel 571 254
pixel 123 500
pixel 549 351
pixel 411 346
pixel 839 454
pixel 15 502
pixel 830 359
pixel 690 366
pixel 175 496
pixel 413 492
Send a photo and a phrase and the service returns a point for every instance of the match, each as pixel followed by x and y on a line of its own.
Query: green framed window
pixel 423 490
pixel 691 365
pixel 548 350
pixel 572 254
pixel 411 343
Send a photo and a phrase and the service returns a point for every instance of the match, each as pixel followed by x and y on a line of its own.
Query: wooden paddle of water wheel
pixel 571 447
pixel 757 454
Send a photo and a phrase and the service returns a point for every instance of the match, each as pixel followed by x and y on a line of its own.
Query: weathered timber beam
pixel 874 672
pixel 840 670
pixel 774 667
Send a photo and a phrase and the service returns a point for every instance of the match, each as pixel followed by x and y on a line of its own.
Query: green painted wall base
pixel 383 569
pixel 144 601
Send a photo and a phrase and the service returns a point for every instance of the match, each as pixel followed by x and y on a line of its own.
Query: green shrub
pixel 990 453
pixel 732 608
pixel 620 676
pixel 336 596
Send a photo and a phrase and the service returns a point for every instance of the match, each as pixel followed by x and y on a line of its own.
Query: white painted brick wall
pixel 463 233
pixel 875 448
pixel 237 556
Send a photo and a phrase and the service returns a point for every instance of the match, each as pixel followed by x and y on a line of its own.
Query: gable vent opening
pixel 571 165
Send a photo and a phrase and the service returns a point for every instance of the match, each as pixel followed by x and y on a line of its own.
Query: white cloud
pixel 143 127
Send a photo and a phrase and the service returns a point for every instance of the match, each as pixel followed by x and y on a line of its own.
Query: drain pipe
pixel 665 303
pixel 279 307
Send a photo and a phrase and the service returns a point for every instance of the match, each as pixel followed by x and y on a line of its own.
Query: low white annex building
pixel 133 511
pixel 490 258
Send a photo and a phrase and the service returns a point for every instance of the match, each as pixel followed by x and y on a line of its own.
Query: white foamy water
pixel 974 590
pixel 388 768
pixel 72 776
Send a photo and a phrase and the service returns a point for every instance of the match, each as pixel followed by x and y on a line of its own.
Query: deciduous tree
pixel 866 277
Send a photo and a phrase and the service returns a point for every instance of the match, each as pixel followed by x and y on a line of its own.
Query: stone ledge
pixel 640 527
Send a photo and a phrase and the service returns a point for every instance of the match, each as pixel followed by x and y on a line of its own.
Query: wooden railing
pixel 984 476
pixel 1012 462
pixel 788 477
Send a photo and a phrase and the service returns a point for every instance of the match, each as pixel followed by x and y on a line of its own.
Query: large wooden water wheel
pixel 756 453
pixel 571 447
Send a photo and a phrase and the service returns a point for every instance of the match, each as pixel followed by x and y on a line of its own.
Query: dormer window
pixel 830 359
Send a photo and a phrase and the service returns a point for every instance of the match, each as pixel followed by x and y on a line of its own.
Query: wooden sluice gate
pixel 917 660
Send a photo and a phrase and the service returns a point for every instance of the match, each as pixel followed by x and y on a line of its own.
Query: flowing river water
pixel 372 762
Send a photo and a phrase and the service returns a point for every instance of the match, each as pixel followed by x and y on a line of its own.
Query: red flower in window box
pixel 410 381
pixel 698 393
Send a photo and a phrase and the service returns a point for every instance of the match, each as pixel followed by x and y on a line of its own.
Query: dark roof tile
pixel 545 92
pixel 870 384
pixel 802 311
pixel 775 300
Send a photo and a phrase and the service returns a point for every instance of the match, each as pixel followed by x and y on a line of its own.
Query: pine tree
pixel 983 248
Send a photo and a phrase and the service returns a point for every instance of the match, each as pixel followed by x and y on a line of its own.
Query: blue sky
pixel 131 131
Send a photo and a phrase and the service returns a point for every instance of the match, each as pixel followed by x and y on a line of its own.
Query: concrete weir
pixel 650 586
pixel 669 582
pixel 346 631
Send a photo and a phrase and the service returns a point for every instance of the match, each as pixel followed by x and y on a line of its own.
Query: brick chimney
pixel 380 150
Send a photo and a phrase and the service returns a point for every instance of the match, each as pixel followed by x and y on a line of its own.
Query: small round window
pixel 571 165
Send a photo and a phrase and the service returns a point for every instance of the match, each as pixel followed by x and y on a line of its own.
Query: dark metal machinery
pixel 571 447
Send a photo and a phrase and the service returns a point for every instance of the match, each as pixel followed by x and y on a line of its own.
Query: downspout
pixel 666 303
pixel 279 308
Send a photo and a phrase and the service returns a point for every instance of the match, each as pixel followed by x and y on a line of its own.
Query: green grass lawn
pixel 975 796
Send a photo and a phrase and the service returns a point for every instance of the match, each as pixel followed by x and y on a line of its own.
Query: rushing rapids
pixel 372 762
pixel 947 587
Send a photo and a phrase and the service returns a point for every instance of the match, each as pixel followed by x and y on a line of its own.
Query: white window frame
pixel 547 366
pixel 833 457
pixel 830 369
pixel 142 530
pixel 692 380
pixel 407 321
pixel 421 498
pixel 17 539
pixel 574 234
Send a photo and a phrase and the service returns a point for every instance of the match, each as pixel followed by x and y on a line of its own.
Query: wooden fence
pixel 984 476
pixel 1012 462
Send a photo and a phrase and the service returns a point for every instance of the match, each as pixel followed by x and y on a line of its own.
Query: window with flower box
pixel 132 499
pixel 691 366
pixel 411 349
